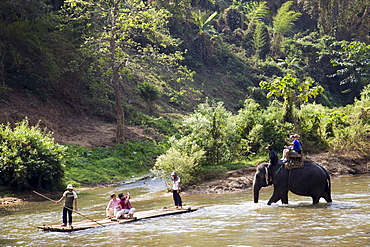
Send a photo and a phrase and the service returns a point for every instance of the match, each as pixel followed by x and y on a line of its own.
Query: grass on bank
pixel 85 166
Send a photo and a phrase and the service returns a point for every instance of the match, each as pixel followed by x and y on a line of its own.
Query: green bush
pixel 187 165
pixel 149 92
pixel 29 158
pixel 351 127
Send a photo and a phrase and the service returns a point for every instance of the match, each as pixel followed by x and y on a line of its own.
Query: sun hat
pixel 69 187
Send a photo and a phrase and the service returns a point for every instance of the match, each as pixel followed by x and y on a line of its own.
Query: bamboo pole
pixel 67 207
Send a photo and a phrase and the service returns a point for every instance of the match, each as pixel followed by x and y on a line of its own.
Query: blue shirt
pixel 296 145
pixel 273 157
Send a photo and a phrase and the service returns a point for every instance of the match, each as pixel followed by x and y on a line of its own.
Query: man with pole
pixel 67 208
pixel 70 196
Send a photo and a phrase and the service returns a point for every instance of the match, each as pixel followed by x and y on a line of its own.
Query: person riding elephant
pixel 294 147
pixel 311 180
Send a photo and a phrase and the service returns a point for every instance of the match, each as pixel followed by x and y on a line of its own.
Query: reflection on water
pixel 226 220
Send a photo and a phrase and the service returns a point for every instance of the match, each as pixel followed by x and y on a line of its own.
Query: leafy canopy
pixel 284 87
pixel 352 61
pixel 203 21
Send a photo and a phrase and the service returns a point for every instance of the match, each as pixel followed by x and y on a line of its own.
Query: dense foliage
pixel 29 158
pixel 79 46
pixel 213 137
pixel 134 61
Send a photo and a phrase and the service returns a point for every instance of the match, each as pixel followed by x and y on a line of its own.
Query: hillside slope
pixel 69 125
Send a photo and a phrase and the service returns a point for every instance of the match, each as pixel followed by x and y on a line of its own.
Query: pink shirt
pixel 113 203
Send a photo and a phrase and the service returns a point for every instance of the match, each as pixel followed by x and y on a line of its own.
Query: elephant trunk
pixel 256 191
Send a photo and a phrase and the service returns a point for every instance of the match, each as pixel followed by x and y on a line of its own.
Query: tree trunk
pixel 120 131
pixel 288 108
pixel 2 64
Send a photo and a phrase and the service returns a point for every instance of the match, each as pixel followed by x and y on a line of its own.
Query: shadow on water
pixel 321 205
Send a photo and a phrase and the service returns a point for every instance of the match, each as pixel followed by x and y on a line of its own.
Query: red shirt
pixel 123 203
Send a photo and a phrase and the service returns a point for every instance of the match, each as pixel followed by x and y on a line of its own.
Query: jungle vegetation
pixel 218 81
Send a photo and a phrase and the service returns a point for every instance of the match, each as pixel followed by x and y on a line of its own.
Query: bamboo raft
pixel 82 225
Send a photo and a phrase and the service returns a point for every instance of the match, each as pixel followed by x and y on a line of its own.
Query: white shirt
pixel 176 184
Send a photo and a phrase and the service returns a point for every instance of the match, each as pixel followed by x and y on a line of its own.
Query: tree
pixel 203 22
pixel 342 19
pixel 123 33
pixel 212 129
pixel 233 17
pixel 209 138
pixel 283 22
pixel 206 32
pixel 149 93
pixel 290 65
pixel 260 40
pixel 255 12
pixel 34 53
pixel 290 88
pixel 352 61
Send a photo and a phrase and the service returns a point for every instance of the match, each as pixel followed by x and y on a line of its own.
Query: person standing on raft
pixel 176 190
pixel 70 196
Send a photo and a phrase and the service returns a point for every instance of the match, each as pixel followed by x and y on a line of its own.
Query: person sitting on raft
pixel 125 206
pixel 113 206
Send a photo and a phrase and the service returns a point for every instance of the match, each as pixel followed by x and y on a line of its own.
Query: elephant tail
pixel 328 192
pixel 328 179
pixel 327 197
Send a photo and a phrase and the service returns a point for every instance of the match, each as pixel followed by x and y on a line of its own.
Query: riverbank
pixel 241 179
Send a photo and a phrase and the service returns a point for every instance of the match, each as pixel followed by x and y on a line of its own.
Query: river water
pixel 230 219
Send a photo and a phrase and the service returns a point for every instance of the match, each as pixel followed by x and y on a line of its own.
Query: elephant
pixel 311 180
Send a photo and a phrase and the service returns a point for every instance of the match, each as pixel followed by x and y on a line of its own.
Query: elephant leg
pixel 315 199
pixel 271 201
pixel 277 196
pixel 327 198
pixel 284 198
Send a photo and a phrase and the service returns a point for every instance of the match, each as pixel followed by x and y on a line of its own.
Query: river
pixel 230 219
